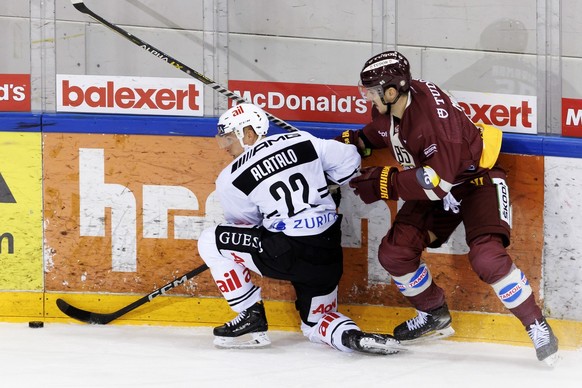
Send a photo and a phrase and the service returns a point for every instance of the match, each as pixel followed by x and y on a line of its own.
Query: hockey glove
pixel 356 138
pixel 374 184
pixel 336 194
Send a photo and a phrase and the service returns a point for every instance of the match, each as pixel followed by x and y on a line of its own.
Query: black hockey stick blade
pixel 81 7
pixel 104 318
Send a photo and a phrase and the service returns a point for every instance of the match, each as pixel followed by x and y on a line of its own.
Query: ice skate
pixel 434 324
pixel 371 343
pixel 544 340
pixel 247 330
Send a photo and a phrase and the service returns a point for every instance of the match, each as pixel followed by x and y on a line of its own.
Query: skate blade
pixel 392 346
pixel 552 360
pixel 257 340
pixel 432 336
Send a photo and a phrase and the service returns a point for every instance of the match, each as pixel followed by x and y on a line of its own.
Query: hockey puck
pixel 35 324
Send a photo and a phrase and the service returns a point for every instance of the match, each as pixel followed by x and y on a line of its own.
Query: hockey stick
pixel 104 318
pixel 81 7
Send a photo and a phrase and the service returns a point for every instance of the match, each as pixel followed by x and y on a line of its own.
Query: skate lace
pixel 242 315
pixel 418 321
pixel 539 334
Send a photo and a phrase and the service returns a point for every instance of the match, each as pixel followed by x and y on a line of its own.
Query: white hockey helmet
pixel 240 116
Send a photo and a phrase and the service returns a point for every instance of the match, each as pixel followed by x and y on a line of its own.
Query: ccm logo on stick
pixel 168 287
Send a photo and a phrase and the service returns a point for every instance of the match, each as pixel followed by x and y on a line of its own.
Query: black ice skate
pixel 252 321
pixel 544 340
pixel 371 343
pixel 434 324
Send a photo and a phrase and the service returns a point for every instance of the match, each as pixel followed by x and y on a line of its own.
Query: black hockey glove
pixel 356 138
pixel 336 194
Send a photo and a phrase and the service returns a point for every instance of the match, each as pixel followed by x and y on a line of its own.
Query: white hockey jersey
pixel 280 183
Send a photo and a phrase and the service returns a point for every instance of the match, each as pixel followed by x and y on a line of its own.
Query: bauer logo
pixel 129 95
pixel 306 102
pixel 508 112
pixel 15 92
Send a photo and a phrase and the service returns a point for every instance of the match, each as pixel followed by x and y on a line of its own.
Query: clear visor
pixel 225 141
pixel 370 93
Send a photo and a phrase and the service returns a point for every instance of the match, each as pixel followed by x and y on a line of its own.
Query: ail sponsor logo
pixel 129 95
pixel 14 92
pixel 231 282
pixel 325 322
pixel 511 113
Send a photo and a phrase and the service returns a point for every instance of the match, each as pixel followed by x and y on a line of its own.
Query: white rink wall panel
pixel 572 30
pixel 268 58
pixel 71 55
pixel 470 24
pixel 178 14
pixel 562 259
pixel 481 71
pixel 15 8
pixel 110 54
pixel 571 79
pixel 15 45
pixel 322 19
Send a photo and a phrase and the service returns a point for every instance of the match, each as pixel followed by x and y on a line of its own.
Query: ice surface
pixel 78 355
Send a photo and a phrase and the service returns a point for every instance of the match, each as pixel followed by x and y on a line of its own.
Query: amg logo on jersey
pixel 262 145
pixel 294 155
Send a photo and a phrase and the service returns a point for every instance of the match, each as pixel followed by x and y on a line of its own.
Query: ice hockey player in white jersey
pixel 281 223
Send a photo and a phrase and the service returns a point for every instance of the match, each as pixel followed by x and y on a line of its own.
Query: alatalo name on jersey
pixel 279 160
pixel 274 163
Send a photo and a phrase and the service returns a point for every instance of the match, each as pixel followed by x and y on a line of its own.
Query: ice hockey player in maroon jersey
pixel 281 223
pixel 448 175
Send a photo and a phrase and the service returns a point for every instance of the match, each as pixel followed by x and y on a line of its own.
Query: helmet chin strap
pixel 247 147
pixel 389 104
pixel 393 102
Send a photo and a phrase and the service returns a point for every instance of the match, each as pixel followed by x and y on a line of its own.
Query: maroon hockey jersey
pixel 434 136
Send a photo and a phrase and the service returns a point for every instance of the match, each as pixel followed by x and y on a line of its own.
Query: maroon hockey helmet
pixel 388 69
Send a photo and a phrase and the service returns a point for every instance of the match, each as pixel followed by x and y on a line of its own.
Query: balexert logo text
pixel 500 115
pixel 159 96
pixel 508 112
pixel 110 96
